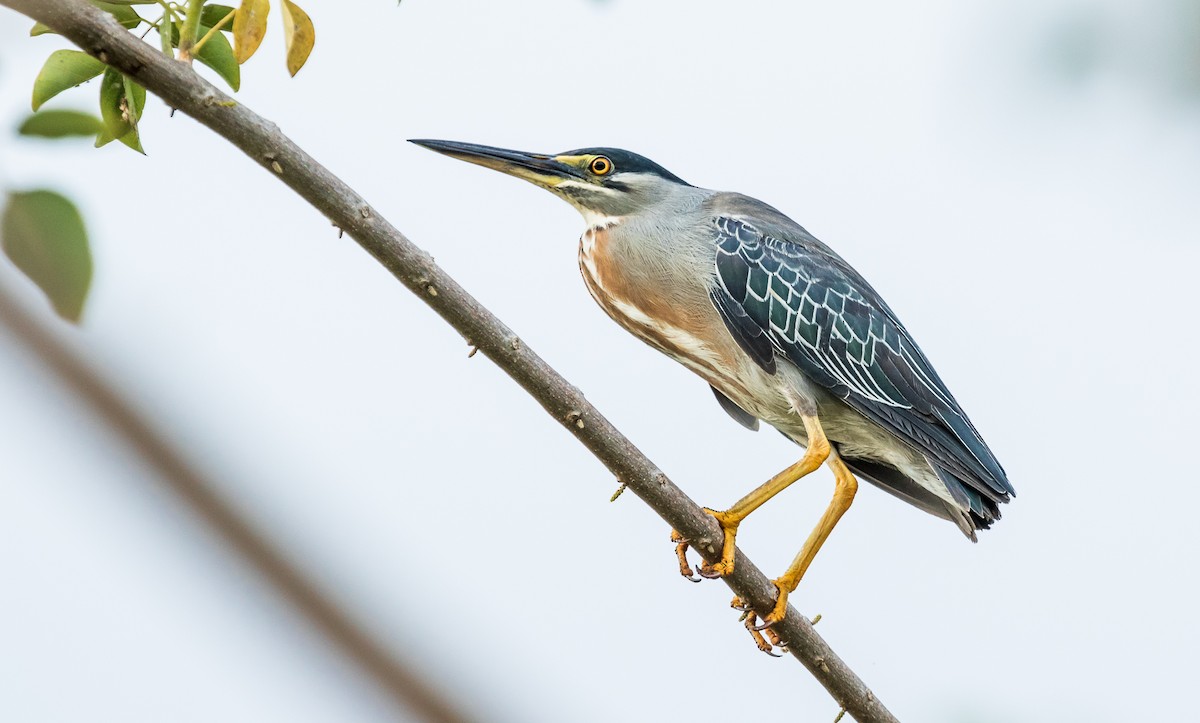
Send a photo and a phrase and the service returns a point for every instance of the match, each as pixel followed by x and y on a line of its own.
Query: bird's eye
pixel 601 166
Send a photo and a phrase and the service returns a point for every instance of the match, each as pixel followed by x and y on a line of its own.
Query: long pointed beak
pixel 537 168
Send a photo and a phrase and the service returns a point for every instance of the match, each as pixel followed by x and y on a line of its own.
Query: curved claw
pixel 773 617
pixel 767 644
pixel 777 641
pixel 766 624
pixel 684 568
pixel 681 548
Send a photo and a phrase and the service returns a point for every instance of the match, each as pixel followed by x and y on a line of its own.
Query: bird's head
pixel 602 183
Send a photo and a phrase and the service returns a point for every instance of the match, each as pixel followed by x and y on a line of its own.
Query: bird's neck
pixel 597 221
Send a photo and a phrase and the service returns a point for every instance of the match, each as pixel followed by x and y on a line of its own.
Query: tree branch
pixel 399 680
pixel 98 34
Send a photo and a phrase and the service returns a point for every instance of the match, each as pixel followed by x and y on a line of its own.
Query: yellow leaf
pixel 249 27
pixel 299 35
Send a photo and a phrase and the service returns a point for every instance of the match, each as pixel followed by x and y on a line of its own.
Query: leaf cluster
pixel 41 231
pixel 190 29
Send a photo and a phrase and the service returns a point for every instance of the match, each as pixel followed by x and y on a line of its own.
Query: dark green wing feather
pixel 795 298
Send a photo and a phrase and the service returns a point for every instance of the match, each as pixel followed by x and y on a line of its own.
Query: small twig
pixel 164 36
pixel 212 31
pixel 190 30
pixel 620 489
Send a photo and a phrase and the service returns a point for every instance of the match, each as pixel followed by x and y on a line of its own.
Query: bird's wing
pixel 785 293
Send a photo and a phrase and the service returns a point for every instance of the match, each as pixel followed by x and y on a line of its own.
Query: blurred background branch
pixel 95 32
pixel 396 677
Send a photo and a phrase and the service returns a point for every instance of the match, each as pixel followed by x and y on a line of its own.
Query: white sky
pixel 1037 235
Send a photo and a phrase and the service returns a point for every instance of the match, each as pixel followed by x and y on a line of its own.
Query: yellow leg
pixel 843 496
pixel 816 454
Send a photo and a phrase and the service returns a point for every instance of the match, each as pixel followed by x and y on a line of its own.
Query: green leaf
pixel 43 233
pixel 124 14
pixel 217 54
pixel 60 124
pixel 298 34
pixel 249 27
pixel 211 15
pixel 121 105
pixel 164 38
pixel 138 95
pixel 133 139
pixel 113 105
pixel 135 97
pixel 40 29
pixel 63 69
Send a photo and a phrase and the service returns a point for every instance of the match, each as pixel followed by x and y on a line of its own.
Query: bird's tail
pixel 970 510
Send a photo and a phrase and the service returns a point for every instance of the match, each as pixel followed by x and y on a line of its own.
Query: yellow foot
pixel 779 611
pixel 766 643
pixel 729 528
pixel 681 548
pixel 771 644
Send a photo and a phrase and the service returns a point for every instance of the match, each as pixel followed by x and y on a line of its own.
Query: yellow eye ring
pixel 600 166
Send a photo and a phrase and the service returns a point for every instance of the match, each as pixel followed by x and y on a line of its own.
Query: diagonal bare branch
pixel 398 678
pixel 96 33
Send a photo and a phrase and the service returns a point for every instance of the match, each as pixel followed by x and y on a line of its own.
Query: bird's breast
pixel 662 306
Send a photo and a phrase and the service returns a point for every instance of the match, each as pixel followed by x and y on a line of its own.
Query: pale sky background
pixel 1021 180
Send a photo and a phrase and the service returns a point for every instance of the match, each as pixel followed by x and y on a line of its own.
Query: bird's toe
pixel 765 639
pixel 681 548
